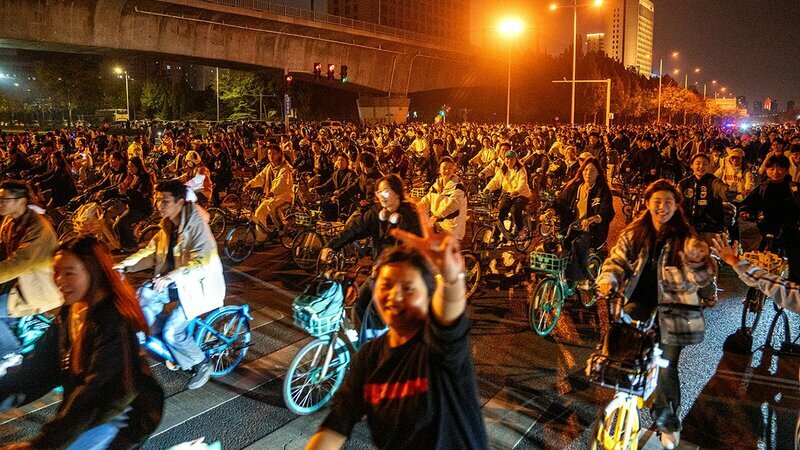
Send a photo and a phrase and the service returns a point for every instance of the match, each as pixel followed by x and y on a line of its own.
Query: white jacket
pixel 198 269
pixel 736 179
pixel 448 201
pixel 279 181
pixel 512 181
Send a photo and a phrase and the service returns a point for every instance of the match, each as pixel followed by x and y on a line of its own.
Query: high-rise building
pixel 629 33
pixel 595 42
pixel 757 107
pixel 741 102
pixel 770 104
pixel 447 20
pixel 790 105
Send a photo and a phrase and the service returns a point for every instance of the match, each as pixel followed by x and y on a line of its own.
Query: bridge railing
pixel 290 11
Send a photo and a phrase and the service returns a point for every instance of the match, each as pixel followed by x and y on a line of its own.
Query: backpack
pixel 319 307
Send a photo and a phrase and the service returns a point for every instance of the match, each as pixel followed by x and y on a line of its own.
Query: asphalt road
pixel 533 390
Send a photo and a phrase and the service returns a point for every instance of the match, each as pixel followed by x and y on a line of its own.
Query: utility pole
pixel 217 94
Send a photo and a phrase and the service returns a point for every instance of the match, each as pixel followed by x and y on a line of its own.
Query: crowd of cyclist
pixel 695 183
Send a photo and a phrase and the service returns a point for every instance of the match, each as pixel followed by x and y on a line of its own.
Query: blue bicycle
pixel 223 335
pixel 30 328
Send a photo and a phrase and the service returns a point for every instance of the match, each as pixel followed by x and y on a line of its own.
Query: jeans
pixel 581 245
pixel 101 436
pixel 9 343
pixel 180 343
pixel 709 291
pixel 516 206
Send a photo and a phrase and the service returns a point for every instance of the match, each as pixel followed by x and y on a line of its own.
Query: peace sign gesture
pixel 443 250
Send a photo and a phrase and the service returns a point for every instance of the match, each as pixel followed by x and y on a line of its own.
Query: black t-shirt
pixel 421 394
pixel 173 239
pixel 645 294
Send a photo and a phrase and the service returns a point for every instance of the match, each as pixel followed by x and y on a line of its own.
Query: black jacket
pixel 341 180
pixel 600 202
pixel 115 376
pixel 369 224
pixel 702 202
pixel 775 205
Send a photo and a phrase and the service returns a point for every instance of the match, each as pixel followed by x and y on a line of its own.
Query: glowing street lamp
pixel 120 71
pixel 574 6
pixel 510 28
pixel 675 55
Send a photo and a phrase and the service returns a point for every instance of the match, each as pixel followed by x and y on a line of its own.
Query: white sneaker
pixel 10 360
pixel 670 440
pixel 352 335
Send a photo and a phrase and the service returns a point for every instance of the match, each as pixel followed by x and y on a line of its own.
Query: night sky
pixel 752 47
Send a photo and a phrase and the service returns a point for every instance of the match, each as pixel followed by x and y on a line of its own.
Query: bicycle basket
pixel 319 308
pixel 418 192
pixel 548 262
pixel 302 219
pixel 625 361
pixel 88 218
pixel 768 261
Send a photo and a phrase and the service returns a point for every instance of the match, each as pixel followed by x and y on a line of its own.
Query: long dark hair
pixel 97 259
pixel 602 182
pixel 677 228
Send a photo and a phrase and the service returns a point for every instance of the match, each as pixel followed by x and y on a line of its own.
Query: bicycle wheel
pixel 611 432
pixel 231 204
pixel 290 230
pixel 217 222
pixel 752 306
pixel 472 271
pixel 306 248
pixel 69 234
pixel 64 227
pixel 306 388
pixel 240 243
pixel 593 266
pixel 522 240
pixel 483 240
pixel 227 345
pixel 545 306
pixel 147 235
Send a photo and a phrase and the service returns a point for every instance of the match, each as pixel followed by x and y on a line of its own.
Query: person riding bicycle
pixel 661 261
pixel 340 181
pixel 512 180
pixel 111 399
pixel 138 190
pixel 363 190
pixel 193 166
pixel 776 206
pixel 277 183
pixel 415 384
pixel 739 180
pixel 586 198
pixel 27 244
pixel 446 201
pixel 187 270
pixel 391 211
pixel 645 162
pixel 703 198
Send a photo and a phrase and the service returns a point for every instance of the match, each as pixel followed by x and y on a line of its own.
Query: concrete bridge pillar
pixel 374 110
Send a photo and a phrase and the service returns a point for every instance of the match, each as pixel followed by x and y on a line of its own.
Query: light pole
pixel 510 28
pixel 121 71
pixel 660 77
pixel 574 7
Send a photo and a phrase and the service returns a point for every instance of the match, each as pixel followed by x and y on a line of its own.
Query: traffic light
pixel 331 70
pixel 317 70
pixel 343 73
pixel 287 80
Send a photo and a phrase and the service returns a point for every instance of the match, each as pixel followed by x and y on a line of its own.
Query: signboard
pixel 287 104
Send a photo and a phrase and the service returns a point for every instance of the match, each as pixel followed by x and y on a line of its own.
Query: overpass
pixel 384 63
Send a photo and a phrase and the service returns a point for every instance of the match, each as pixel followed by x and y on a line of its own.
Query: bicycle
pixel 223 335
pixel 550 261
pixel 318 369
pixel 628 362
pixel 753 303
pixel 492 232
pixel 100 220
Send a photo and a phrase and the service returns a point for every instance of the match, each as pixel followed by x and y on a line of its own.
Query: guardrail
pixel 299 13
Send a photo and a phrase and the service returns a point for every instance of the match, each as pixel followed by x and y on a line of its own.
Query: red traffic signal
pixel 288 80
pixel 331 70
pixel 317 69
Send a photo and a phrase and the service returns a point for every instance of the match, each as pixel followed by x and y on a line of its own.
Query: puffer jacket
pixel 448 201
pixel 27 246
pixel 198 269
pixel 278 181
pixel 511 181
pixel 675 284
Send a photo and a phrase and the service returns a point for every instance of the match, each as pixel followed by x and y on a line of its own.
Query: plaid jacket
pixel 782 291
pixel 676 285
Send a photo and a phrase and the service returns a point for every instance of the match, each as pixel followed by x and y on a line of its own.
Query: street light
pixel 120 71
pixel 510 28
pixel 574 6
